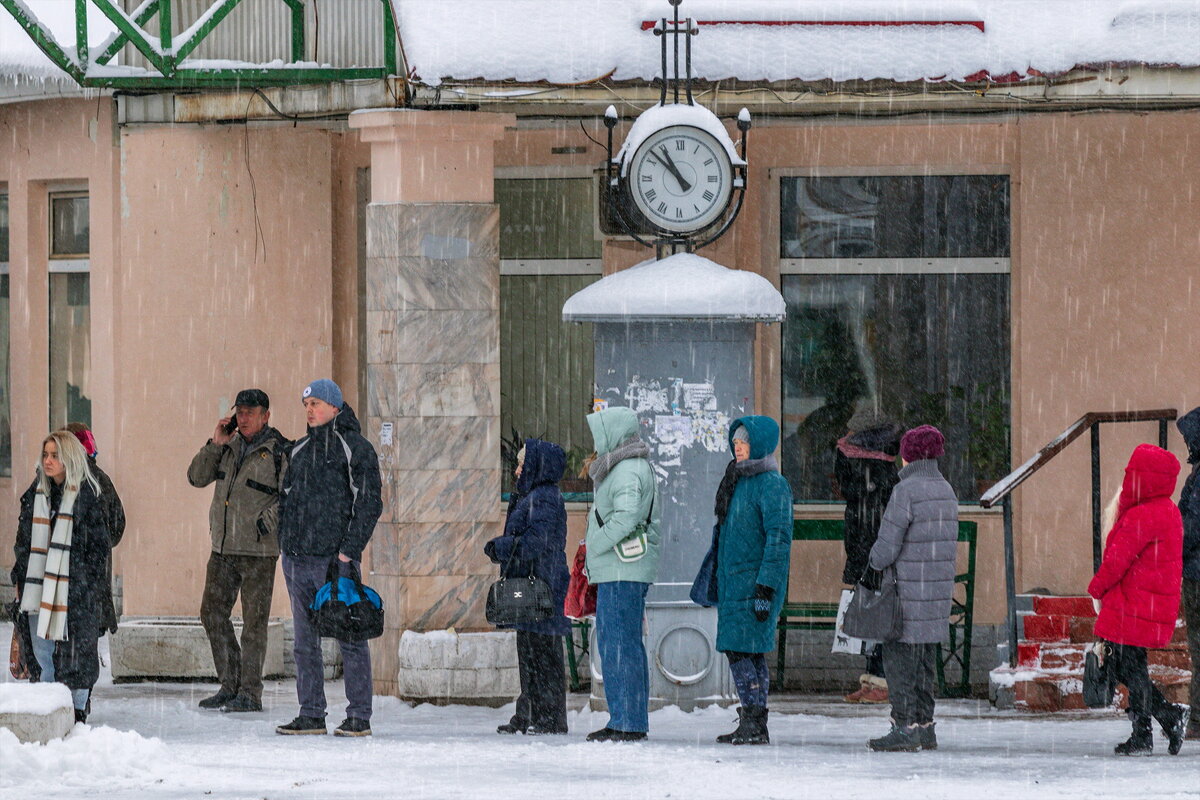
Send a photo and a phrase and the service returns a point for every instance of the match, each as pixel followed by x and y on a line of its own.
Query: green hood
pixel 612 426
pixel 763 432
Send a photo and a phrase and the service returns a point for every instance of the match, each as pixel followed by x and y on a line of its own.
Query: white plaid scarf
pixel 48 576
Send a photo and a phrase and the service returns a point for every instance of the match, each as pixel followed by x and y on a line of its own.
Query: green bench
pixel 810 616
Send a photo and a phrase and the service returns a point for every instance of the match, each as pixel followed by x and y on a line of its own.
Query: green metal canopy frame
pixel 169 60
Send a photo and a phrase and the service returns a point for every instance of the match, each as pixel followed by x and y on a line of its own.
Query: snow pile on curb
pixel 86 758
pixel 33 698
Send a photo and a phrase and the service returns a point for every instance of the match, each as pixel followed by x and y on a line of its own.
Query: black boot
pixel 753 729
pixel 727 738
pixel 1175 728
pixel 1140 742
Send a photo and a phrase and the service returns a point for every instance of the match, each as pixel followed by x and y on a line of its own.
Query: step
pixel 1046 628
pixel 1064 606
pixel 1055 682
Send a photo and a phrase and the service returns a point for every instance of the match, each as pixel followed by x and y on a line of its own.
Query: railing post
pixel 1010 581
pixel 1162 434
pixel 1096 532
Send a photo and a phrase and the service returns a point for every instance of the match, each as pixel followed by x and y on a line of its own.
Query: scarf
pixel 48 575
pixel 739 469
pixel 851 450
pixel 633 447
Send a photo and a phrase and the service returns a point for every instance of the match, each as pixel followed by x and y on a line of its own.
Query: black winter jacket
pixel 1189 498
pixel 331 491
pixel 866 484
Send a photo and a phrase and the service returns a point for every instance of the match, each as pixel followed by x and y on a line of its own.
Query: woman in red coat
pixel 1137 588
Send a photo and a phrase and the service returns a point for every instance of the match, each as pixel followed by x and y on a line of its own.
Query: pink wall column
pixel 433 366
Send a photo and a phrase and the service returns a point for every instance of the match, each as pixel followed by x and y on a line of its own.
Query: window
pixel 5 318
pixel 548 251
pixel 897 292
pixel 70 309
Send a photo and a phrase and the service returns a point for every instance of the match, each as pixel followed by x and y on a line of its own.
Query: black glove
pixel 763 595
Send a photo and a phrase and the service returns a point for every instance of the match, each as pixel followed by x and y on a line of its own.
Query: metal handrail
pixel 1001 492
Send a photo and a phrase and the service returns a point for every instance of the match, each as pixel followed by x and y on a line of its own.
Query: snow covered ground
pixel 150 741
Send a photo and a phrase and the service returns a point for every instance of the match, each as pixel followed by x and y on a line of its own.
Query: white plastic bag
pixel 843 643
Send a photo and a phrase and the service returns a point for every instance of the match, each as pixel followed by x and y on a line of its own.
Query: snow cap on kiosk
pixel 921 443
pixel 324 389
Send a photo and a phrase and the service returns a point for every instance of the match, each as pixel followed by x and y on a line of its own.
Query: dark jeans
pixel 543 700
pixel 1145 700
pixel 875 661
pixel 751 677
pixel 620 609
pixel 239 667
pixel 1191 615
pixel 910 675
pixel 304 575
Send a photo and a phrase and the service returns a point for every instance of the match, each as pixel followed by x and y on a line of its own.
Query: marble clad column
pixel 433 367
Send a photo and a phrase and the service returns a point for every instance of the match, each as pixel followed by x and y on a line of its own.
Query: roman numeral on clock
pixel 708 195
pixel 651 194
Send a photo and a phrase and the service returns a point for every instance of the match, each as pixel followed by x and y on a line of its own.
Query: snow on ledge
pixel 679 287
pixel 33 698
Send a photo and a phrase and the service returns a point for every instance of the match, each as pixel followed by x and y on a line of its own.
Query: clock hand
pixel 674 170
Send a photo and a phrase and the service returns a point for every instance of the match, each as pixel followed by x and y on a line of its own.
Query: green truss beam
pixel 45 42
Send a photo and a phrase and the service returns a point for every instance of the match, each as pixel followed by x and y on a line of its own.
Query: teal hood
pixel 612 426
pixel 763 432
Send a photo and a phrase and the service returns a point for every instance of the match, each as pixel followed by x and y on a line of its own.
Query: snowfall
pixel 149 740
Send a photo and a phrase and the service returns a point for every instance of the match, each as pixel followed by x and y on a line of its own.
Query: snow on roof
pixel 682 286
pixel 20 57
pixel 563 41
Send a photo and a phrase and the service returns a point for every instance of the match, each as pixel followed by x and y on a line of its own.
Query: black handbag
pixel 704 587
pixel 1099 683
pixel 514 601
pixel 875 613
pixel 345 609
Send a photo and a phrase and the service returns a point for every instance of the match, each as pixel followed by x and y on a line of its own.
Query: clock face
pixel 680 178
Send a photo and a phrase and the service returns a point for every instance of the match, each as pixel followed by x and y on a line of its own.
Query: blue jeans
pixel 620 608
pixel 43 653
pixel 304 575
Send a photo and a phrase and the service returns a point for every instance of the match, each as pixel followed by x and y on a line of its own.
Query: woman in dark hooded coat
pixel 865 468
pixel 535 543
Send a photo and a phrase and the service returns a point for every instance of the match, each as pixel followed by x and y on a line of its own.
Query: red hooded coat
pixel 1139 579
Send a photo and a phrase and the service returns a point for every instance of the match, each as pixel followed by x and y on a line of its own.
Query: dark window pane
pixel 895 216
pixel 69 229
pixel 5 383
pixel 924 349
pixel 546 218
pixel 70 349
pixel 3 227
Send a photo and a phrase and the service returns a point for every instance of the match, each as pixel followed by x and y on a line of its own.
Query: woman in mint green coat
pixel 754 515
pixel 622 560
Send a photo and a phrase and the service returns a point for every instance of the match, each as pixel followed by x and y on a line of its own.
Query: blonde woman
pixel 62 550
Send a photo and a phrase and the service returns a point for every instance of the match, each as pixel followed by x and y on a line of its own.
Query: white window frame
pixel 883 266
pixel 551 266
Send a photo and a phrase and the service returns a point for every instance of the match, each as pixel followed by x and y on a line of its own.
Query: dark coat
pixel 754 548
pixel 919 536
pixel 866 472
pixel 1189 498
pixel 535 532
pixel 331 491
pixel 91 548
pixel 1139 579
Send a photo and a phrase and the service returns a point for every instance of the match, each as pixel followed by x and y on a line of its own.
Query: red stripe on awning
pixel 972 23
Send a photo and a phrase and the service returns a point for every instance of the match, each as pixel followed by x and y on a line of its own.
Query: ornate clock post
pixel 674 340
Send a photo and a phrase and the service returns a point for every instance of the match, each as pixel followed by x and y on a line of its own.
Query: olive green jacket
pixel 245 508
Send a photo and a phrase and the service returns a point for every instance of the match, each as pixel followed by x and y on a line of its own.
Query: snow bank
pixel 681 286
pixel 570 42
pixel 33 698
pixel 87 757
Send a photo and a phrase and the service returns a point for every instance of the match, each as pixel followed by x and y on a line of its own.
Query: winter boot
pixel 217 700
pixel 303 726
pixel 926 736
pixel 856 695
pixel 753 729
pixel 1175 727
pixel 1140 742
pixel 1193 727
pixel 898 740
pixel 727 738
pixel 876 690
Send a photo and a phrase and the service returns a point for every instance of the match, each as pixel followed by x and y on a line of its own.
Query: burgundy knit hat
pixel 922 442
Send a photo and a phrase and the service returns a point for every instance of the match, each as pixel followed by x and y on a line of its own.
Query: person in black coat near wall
pixel 1189 509
pixel 114 514
pixel 61 525
pixel 534 543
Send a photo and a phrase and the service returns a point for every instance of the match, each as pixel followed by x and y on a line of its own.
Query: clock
pixel 680 179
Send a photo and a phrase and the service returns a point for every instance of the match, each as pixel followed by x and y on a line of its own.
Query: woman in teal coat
pixel 754 519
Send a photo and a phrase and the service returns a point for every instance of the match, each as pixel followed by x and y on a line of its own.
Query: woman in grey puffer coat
pixel 918 537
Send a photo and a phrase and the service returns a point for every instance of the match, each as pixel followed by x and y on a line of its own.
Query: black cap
pixel 251 398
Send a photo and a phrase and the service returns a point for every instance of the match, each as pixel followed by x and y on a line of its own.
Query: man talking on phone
pixel 246 458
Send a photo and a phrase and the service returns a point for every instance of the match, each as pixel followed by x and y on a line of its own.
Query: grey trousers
pixel 910 676
pixel 1191 615
pixel 304 575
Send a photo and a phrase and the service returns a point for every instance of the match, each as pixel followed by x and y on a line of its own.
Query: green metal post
pixel 164 25
pixel 297 7
pixel 81 35
pixel 389 39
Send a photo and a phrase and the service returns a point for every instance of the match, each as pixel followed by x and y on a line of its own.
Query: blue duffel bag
pixel 345 609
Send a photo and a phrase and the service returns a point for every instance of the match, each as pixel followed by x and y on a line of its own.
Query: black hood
pixel 1189 428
